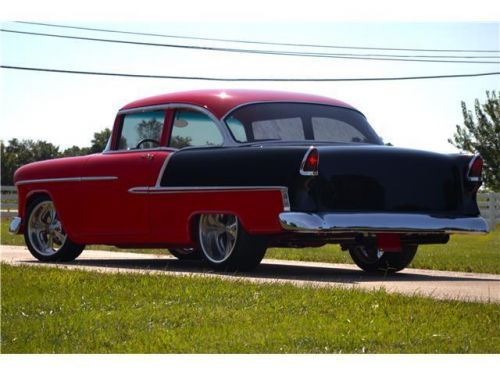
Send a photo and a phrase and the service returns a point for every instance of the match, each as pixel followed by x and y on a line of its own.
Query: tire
pixel 226 246
pixel 44 234
pixel 370 259
pixel 186 254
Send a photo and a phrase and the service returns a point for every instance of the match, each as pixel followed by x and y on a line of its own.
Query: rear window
pixel 299 122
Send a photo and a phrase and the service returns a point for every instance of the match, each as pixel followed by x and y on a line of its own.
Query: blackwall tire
pixel 225 245
pixel 44 233
pixel 186 254
pixel 372 260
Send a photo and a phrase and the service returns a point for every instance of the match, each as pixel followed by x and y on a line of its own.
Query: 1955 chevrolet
pixel 222 175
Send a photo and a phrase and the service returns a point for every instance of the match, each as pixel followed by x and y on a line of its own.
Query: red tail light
pixel 310 162
pixel 475 169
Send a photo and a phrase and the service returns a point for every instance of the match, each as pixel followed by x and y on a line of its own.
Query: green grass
pixel 463 253
pixel 48 310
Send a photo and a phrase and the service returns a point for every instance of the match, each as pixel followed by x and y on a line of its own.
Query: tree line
pixel 17 153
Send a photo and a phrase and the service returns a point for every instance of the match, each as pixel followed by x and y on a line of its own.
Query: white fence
pixel 9 201
pixel 489 204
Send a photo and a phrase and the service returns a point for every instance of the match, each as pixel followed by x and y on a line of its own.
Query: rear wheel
pixel 186 253
pixel 371 259
pixel 44 233
pixel 225 245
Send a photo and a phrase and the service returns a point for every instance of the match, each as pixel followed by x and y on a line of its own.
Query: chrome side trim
pixel 200 189
pixel 286 200
pixel 308 173
pixel 162 170
pixel 380 222
pixel 67 179
pixel 15 225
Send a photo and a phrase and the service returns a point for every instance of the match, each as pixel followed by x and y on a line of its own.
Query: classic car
pixel 222 175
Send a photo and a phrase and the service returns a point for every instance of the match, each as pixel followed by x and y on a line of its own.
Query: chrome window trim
pixel 303 163
pixel 67 179
pixel 226 135
pixel 172 149
pixel 223 118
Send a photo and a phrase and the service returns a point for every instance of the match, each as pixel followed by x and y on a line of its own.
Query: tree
pixel 100 140
pixel 18 153
pixel 75 151
pixel 482 136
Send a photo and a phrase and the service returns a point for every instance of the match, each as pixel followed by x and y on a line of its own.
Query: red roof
pixel 219 102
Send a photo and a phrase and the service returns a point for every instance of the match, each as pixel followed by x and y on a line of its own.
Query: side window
pixel 237 129
pixel 192 128
pixel 141 130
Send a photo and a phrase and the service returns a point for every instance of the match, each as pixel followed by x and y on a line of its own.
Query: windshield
pixel 299 122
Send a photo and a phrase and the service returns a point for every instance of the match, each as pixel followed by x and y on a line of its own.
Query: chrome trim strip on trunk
pixel 380 222
pixel 67 179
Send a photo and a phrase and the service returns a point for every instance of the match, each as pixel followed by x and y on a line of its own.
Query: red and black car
pixel 222 175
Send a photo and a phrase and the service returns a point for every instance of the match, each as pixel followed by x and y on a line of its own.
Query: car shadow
pixel 270 271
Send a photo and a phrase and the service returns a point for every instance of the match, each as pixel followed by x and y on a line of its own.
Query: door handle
pixel 148 156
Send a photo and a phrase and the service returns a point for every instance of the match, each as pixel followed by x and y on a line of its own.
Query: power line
pixel 239 50
pixel 253 41
pixel 130 75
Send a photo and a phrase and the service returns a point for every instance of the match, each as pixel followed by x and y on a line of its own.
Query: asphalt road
pixel 435 284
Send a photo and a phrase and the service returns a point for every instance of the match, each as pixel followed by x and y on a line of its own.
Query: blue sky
pixel 68 109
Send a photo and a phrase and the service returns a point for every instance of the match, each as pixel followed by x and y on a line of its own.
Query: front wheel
pixel 371 259
pixel 44 234
pixel 225 245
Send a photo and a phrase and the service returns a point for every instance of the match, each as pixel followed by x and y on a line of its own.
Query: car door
pixel 111 212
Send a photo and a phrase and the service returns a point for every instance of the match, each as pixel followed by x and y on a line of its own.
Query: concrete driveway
pixel 435 284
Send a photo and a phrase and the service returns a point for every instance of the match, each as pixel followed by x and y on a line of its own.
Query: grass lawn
pixel 463 253
pixel 48 310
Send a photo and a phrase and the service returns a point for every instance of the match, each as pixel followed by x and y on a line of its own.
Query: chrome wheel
pixel 218 234
pixel 45 231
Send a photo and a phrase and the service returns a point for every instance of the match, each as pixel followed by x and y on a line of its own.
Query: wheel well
pixel 32 197
pixel 193 227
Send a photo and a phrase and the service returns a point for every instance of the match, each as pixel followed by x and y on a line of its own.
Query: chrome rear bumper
pixel 380 222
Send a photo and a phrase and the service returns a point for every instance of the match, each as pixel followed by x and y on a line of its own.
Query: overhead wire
pixel 240 50
pixel 256 42
pixel 230 79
